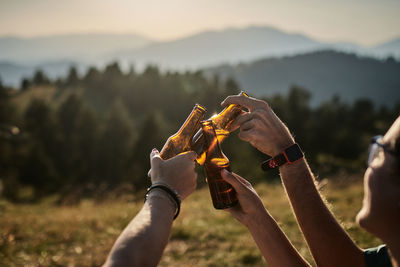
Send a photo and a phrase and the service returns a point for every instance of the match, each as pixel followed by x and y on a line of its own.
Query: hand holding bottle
pixel 250 205
pixel 260 126
pixel 177 172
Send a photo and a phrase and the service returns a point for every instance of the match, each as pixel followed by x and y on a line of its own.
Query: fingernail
pixel 154 150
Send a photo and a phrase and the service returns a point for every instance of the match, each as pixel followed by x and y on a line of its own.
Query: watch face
pixel 293 153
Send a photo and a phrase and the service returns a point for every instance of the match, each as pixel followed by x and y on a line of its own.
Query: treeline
pixel 95 133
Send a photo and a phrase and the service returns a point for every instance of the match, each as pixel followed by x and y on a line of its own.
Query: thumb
pixel 155 158
pixel 232 180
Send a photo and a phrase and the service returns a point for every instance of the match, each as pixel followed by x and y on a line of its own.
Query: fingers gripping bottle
pixel 181 141
pixel 222 193
pixel 222 121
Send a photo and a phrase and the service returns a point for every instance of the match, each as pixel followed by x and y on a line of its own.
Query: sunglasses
pixel 375 147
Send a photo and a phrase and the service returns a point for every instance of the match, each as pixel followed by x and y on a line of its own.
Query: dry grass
pixel 47 235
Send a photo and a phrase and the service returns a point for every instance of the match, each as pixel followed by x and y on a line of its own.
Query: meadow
pixel 45 234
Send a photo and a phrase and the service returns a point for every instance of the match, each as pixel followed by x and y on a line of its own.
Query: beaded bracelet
pixel 172 192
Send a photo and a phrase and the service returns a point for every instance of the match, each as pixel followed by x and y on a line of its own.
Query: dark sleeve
pixel 377 257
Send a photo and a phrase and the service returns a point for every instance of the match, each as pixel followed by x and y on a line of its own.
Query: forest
pixel 88 135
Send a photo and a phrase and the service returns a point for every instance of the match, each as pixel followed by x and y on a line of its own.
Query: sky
pixel 366 22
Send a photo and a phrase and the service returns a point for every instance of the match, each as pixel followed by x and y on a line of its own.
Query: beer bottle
pixel 221 121
pixel 181 141
pixel 222 193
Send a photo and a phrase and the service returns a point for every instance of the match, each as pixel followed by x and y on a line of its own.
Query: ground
pixel 44 234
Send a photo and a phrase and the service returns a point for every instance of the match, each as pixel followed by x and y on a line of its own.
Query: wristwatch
pixel 289 155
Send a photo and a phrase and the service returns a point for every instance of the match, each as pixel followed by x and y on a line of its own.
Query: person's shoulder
pixel 377 257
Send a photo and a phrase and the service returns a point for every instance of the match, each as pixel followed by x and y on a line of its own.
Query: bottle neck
pixel 228 115
pixel 192 123
pixel 211 141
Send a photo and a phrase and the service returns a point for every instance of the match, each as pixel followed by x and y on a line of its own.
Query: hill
pixel 201 50
pixel 82 47
pixel 388 48
pixel 215 47
pixel 324 73
pixel 235 45
pixel 12 73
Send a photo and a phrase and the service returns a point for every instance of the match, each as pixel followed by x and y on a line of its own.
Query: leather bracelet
pixel 289 155
pixel 171 192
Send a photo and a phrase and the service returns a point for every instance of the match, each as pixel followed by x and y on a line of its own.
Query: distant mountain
pixel 235 45
pixel 12 73
pixel 21 56
pixel 82 47
pixel 216 47
pixel 391 48
pixel 324 73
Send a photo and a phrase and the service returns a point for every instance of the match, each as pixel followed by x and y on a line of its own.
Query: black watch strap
pixel 289 155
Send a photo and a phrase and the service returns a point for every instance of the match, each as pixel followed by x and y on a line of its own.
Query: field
pixel 44 234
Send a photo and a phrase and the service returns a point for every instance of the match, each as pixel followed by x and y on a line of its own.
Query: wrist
pixel 170 192
pixel 294 168
pixel 288 156
pixel 162 182
pixel 158 195
pixel 281 145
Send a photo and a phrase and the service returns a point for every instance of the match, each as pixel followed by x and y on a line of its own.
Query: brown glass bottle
pixel 222 193
pixel 221 121
pixel 181 141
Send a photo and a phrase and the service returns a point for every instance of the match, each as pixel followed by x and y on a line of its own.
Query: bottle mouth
pixel 244 93
pixel 207 122
pixel 200 107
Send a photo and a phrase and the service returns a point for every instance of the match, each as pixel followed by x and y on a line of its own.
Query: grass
pixel 47 235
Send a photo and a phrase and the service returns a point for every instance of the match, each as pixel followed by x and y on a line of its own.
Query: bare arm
pixel 270 239
pixel 144 239
pixel 329 243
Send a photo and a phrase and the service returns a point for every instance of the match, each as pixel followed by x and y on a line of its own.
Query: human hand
pixel 177 172
pixel 250 205
pixel 260 126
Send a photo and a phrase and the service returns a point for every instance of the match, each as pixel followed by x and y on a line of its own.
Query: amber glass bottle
pixel 223 195
pixel 221 121
pixel 181 141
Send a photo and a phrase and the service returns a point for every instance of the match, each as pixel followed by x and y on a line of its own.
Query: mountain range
pixel 71 47
pixel 239 45
pixel 263 59
pixel 231 45
pixel 324 73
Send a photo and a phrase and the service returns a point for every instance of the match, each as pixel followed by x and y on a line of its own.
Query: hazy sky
pixel 366 22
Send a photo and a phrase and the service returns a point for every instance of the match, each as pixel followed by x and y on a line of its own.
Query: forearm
pixel 329 243
pixel 144 239
pixel 273 243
